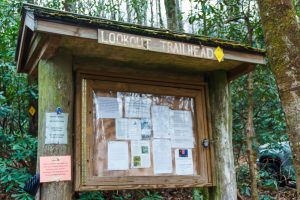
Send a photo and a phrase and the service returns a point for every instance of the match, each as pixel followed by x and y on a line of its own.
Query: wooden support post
pixel 221 114
pixel 56 89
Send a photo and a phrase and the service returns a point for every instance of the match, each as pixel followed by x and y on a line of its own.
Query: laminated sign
pixel 56 128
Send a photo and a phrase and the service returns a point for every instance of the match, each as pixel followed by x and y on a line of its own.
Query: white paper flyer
pixel 140 154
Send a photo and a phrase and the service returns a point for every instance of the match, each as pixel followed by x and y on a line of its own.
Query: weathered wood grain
pixel 221 119
pixel 55 80
pixel 93 34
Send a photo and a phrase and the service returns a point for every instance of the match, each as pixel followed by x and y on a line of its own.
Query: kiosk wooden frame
pixel 86 181
pixel 66 52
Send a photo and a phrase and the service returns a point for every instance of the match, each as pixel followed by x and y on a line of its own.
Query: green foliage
pixel 227 19
pixel 269 179
pixel 243 180
pixel 269 120
pixel 270 183
pixel 17 146
pixel 245 189
pixel 297 8
pixel 265 197
pixel 151 196
pixel 200 194
pixel 140 8
pixel 121 195
pixel 231 19
pixel 91 196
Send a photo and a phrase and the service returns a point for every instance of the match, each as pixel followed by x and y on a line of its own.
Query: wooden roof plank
pixel 78 27
pixel 65 18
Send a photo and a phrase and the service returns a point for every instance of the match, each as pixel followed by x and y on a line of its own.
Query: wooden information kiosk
pixel 136 107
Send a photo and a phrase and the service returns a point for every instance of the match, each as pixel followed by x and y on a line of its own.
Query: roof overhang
pixel 44 30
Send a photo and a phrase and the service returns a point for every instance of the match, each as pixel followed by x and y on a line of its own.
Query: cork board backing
pixel 92 165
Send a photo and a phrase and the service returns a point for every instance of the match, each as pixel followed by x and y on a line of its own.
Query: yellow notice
pixel 219 54
pixel 31 110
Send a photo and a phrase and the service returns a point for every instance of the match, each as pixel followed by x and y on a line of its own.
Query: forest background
pixel 236 20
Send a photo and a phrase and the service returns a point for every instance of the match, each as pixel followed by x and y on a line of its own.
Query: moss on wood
pixel 221 118
pixel 56 89
pixel 73 18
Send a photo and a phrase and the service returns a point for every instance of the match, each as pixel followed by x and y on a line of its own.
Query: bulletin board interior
pixel 136 134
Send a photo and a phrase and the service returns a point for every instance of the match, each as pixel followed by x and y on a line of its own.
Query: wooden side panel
pixel 56 89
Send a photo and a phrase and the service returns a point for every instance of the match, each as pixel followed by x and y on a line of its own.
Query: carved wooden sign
pixel 155 44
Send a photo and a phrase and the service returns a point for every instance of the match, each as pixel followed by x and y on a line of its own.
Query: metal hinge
pixel 207 142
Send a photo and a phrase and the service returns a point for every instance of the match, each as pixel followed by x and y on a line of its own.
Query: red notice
pixel 55 168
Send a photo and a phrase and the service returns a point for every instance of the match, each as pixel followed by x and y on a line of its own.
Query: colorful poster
pixel 184 162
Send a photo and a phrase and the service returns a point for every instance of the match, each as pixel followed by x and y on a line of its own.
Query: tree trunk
pixel 250 132
pixel 112 10
pixel 138 11
pixel 128 11
pixel 161 23
pixel 282 37
pixel 250 138
pixel 204 18
pixel 178 15
pixel 221 114
pixel 68 5
pixel 171 12
pixel 55 90
pixel 152 14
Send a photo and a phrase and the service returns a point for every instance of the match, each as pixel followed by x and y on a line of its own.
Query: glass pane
pixel 139 134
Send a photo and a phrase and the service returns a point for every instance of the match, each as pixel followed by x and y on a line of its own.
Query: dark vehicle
pixel 276 159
